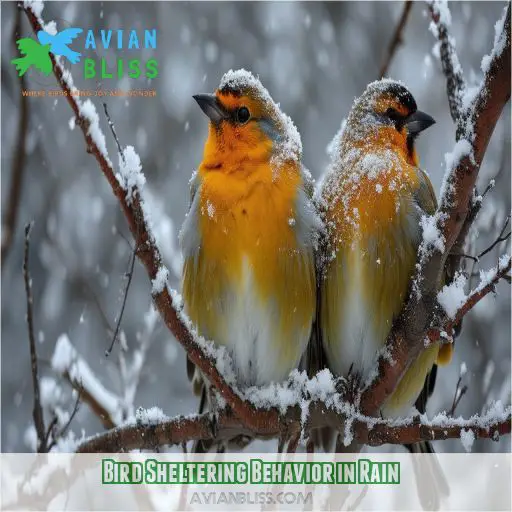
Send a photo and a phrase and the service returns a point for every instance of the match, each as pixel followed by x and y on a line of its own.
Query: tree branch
pixel 129 276
pixel 37 412
pixel 455 83
pixel 368 430
pixel 484 289
pixel 67 362
pixel 396 41
pixel 18 164
pixel 500 238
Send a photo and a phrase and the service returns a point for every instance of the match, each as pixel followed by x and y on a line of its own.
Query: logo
pixel 37 54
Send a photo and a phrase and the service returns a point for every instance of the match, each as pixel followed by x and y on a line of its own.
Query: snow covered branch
pixel 68 363
pixel 455 83
pixel 455 302
pixel 369 431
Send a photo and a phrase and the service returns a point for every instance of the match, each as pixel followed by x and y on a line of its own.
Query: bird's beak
pixel 211 106
pixel 418 121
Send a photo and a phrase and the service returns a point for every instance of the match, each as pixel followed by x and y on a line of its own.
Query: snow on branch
pixel 455 83
pixel 495 423
pixel 454 300
pixel 67 362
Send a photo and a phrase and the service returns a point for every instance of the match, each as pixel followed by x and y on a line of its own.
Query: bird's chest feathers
pixel 374 229
pixel 248 220
pixel 251 284
pixel 373 202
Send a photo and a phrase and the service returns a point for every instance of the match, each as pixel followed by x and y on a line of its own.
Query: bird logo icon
pixel 59 43
pixel 33 54
pixel 37 54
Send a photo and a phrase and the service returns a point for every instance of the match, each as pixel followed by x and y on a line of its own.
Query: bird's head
pixel 387 113
pixel 245 123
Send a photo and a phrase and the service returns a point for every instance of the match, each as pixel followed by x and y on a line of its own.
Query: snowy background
pixel 314 58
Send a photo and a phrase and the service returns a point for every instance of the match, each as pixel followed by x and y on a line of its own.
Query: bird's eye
pixel 243 115
pixel 392 113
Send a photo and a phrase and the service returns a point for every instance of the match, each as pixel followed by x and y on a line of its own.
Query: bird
pixel 59 43
pixel 33 54
pixel 371 201
pixel 249 237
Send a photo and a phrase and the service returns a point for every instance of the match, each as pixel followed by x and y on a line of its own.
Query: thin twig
pixel 453 262
pixel 103 316
pixel 459 393
pixel 501 238
pixel 132 261
pixel 464 255
pixel 49 430
pixel 18 163
pixel 37 410
pixel 396 41
pixel 64 429
pixel 113 130
pixel 125 297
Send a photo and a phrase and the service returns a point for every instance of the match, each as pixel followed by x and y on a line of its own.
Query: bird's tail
pixel 22 64
pixel 431 482
pixel 314 360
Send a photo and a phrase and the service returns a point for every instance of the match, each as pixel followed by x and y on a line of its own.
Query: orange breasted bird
pixel 249 237
pixel 372 200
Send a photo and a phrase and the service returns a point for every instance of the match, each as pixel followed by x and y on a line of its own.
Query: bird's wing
pixel 66 36
pixel 425 195
pixel 189 236
pixel 309 182
pixel 194 185
pixel 28 46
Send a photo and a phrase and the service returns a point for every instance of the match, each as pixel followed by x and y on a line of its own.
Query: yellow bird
pixel 249 237
pixel 372 202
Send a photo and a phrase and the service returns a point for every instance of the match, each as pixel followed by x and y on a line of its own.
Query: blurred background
pixel 314 58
